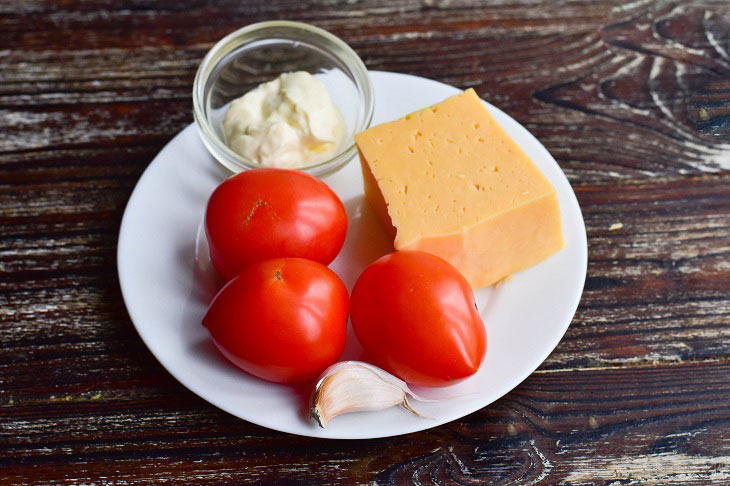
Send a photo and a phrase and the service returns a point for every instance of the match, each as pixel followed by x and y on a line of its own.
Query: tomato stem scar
pixel 277 274
pixel 260 202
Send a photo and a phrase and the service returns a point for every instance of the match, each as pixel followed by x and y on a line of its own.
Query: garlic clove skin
pixel 354 386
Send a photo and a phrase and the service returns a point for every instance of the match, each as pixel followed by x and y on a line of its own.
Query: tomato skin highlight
pixel 260 214
pixel 282 320
pixel 416 317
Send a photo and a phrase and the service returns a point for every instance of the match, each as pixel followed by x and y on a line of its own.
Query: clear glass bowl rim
pixel 232 41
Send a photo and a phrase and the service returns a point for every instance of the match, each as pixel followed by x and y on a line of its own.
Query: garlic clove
pixel 354 386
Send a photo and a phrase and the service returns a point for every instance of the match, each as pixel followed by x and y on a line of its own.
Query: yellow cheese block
pixel 449 181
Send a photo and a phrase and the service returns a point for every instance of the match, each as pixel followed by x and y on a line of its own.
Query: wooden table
pixel 632 99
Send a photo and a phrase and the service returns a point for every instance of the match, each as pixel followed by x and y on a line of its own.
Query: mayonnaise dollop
pixel 289 122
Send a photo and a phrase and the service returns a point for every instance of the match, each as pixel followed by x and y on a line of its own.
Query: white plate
pixel 166 291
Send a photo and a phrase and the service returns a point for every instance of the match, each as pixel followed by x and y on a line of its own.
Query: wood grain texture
pixel 631 97
pixel 581 427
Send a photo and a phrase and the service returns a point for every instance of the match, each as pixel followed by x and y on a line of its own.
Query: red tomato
pixel 272 213
pixel 282 320
pixel 415 316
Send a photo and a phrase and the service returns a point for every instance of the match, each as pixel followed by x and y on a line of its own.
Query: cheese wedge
pixel 449 181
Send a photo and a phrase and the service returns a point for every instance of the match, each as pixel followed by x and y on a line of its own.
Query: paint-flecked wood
pixel 631 97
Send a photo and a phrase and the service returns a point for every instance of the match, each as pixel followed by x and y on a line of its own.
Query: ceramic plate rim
pixel 136 318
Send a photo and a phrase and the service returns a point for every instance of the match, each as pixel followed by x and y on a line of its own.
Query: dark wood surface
pixel 631 97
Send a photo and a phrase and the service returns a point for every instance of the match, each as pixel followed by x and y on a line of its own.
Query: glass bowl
pixel 261 52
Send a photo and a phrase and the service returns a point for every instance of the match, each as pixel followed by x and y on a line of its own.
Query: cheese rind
pixel 450 181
